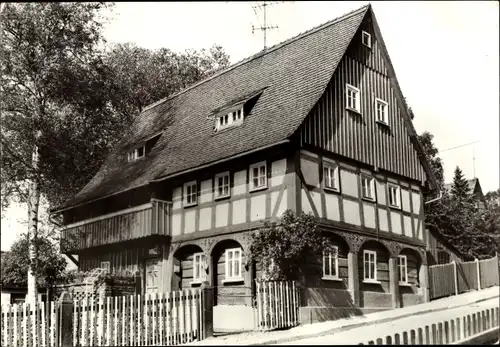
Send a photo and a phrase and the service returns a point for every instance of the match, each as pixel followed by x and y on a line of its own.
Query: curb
pixel 348 327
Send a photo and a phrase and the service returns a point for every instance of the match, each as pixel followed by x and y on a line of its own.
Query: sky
pixel 445 54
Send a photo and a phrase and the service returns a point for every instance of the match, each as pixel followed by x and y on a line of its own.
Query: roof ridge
pixel 261 53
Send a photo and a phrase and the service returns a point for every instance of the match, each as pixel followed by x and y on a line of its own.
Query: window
pixel 381 107
pixel 366 38
pixel 352 98
pixel 258 176
pixel 394 194
pixel 222 185
pixel 370 265
pixel 234 117
pixel 368 187
pixel 331 177
pixel 233 264
pixel 331 263
pixel 403 269
pixel 199 263
pixel 105 265
pixel 190 193
pixel 136 153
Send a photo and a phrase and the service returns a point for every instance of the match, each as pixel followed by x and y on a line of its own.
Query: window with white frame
pixel 352 98
pixel 233 263
pixel 190 193
pixel 394 195
pixel 258 176
pixel 105 265
pixel 222 185
pixel 368 187
pixel 370 265
pixel 366 39
pixel 199 264
pixel 331 263
pixel 381 106
pixel 136 153
pixel 234 117
pixel 403 269
pixel 331 176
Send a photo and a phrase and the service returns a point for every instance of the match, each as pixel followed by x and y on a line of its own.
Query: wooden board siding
pixel 138 222
pixel 331 127
pixel 346 207
pixel 236 293
pixel 382 269
pixel 129 259
pixel 111 204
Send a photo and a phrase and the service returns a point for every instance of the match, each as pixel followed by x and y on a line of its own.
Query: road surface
pixel 374 331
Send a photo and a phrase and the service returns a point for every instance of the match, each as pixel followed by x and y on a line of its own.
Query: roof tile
pixel 294 74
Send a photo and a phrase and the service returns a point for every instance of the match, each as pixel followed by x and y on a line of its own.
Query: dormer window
pixel 233 117
pixel 136 153
pixel 366 39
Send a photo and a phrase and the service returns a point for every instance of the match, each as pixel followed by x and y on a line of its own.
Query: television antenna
pixel 473 154
pixel 264 27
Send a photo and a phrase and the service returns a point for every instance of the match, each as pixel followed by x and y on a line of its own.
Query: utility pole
pixel 264 27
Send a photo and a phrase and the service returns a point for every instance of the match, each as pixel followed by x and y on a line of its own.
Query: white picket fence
pixel 29 325
pixel 458 330
pixel 157 319
pixel 277 305
pixel 139 320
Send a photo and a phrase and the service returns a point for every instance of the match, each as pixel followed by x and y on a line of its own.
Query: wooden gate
pixel 277 304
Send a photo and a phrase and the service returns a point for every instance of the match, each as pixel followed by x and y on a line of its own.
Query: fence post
pixel 207 310
pixel 478 269
pixel 138 281
pixel 65 320
pixel 455 275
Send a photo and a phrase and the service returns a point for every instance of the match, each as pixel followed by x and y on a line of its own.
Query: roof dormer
pixel 141 149
pixel 234 113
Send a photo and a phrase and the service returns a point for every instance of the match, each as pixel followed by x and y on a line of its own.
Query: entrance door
pixel 152 274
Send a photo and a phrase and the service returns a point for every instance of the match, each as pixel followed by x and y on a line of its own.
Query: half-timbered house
pixel 315 124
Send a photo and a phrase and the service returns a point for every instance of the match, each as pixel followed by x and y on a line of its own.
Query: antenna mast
pixel 264 28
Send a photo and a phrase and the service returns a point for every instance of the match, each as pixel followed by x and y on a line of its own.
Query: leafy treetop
pixel 50 266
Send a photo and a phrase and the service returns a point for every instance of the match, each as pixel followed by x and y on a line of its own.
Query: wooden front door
pixel 152 275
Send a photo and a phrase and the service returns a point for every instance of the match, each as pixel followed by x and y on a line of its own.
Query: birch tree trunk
pixel 33 204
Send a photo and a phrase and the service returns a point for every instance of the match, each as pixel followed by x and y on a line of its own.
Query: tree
pixel 431 154
pixel 59 91
pixel 460 187
pixel 492 198
pixel 141 76
pixel 281 247
pixel 51 265
pixel 48 50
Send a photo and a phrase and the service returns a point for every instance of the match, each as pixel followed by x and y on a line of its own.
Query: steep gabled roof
pixel 290 77
pixel 294 74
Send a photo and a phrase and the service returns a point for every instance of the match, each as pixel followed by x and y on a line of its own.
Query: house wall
pixel 129 257
pixel 244 209
pixel 347 209
pixel 330 126
pixel 320 291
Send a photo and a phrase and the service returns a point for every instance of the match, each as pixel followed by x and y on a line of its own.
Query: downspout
pixel 436 199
